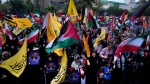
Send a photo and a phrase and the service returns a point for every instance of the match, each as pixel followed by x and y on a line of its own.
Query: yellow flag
pixel 72 11
pixel 17 63
pixel 86 46
pixel 56 21
pixel 60 77
pixel 80 16
pixel 2 33
pixel 126 16
pixel 85 21
pixel 101 37
pixel 50 30
pixel 11 23
pixel 23 22
pixel 53 31
pixel 17 31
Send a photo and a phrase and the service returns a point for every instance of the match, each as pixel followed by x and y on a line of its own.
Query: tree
pixel 114 10
pixel 20 4
pixel 50 9
pixel 141 3
pixel 5 8
pixel 30 7
pixel 0 1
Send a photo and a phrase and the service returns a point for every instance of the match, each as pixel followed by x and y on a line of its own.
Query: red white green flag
pixel 67 37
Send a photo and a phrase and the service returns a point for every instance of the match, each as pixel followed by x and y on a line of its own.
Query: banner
pixel 60 77
pixel 17 31
pixel 23 22
pixel 17 63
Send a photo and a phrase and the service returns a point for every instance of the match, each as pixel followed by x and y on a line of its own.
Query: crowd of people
pixel 42 67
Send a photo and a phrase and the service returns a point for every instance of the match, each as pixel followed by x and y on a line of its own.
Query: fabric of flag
pixel 53 30
pixel 85 21
pixel 91 21
pixel 101 37
pixel 126 16
pixel 56 21
pixel 144 24
pixel 23 22
pixel 1 15
pixel 60 77
pixel 8 32
pixel 2 34
pixel 140 11
pixel 72 11
pixel 122 18
pixel 86 47
pixel 17 30
pixel 18 12
pixel 147 44
pixel 9 21
pixel 49 27
pixel 102 19
pixel 67 37
pixel 31 37
pixel 17 63
pixel 130 45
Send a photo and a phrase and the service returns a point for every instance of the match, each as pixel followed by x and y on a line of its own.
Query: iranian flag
pixel 8 32
pixel 31 37
pixel 67 37
pixel 130 45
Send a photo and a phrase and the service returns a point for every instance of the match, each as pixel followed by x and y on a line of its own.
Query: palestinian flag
pixel 67 37
pixel 91 21
pixel 31 37
pixel 130 45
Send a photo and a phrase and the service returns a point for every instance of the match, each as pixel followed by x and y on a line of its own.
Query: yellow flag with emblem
pixel 53 31
pixel 2 34
pixel 72 11
pixel 22 22
pixel 17 63
pixel 56 21
pixel 60 77
pixel 101 37
pixel 17 30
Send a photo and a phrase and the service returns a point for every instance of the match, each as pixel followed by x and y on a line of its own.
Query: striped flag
pixel 8 32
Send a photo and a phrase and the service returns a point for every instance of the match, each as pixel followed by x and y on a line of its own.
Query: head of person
pixel 77 58
pixel 6 55
pixel 50 65
pixel 93 54
pixel 34 55
pixel 50 58
pixel 110 45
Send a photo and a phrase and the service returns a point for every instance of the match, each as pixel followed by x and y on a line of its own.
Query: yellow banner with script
pixel 17 63
pixel 23 22
pixel 101 37
pixel 17 31
pixel 60 77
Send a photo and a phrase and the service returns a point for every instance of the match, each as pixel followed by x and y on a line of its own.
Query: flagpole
pixel 45 79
